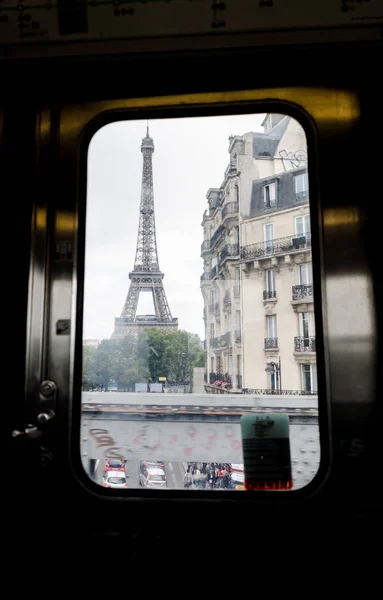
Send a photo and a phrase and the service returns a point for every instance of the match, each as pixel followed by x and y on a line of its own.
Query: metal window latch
pixel 47 397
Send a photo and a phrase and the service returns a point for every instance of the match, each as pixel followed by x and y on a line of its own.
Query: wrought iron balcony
pixel 286 245
pixel 227 297
pixel 271 343
pixel 217 234
pixel 237 291
pixel 230 250
pixel 214 203
pixel 301 292
pixel 205 246
pixel 230 170
pixel 222 341
pixel 238 335
pixel 208 275
pixel 304 344
pixel 302 195
pixel 269 295
pixel 215 377
pixel 261 392
pixel 231 208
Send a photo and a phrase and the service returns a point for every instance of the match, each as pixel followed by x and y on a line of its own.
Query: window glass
pixel 183 327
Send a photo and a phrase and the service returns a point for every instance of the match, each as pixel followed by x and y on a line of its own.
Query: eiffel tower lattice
pixel 146 274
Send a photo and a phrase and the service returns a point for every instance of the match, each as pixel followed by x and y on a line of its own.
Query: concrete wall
pixel 198 380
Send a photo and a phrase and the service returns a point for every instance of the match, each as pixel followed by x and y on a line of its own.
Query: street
pixel 175 472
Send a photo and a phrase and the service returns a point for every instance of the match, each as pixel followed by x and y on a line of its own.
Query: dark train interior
pixel 68 69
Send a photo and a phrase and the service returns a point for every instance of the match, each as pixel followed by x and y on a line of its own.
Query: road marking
pixel 171 467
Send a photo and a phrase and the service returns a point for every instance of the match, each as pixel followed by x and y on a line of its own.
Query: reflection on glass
pixel 174 352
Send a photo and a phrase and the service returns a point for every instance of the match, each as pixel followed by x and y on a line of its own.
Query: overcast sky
pixel 190 157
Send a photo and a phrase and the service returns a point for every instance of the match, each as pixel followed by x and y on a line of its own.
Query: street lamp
pixel 275 368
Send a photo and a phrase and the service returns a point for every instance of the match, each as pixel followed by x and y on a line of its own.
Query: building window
pixel 306 274
pixel 301 183
pixel 271 327
pixel 230 365
pixel 268 236
pixel 269 291
pixel 306 325
pixel 236 192
pixel 272 381
pixel 309 378
pixel 239 376
pixel 211 330
pixel 269 195
pixel 302 225
pixel 212 364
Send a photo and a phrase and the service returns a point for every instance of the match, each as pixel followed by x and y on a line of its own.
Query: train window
pixel 198 300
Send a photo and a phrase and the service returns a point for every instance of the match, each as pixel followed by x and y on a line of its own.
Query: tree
pixel 88 354
pixel 148 356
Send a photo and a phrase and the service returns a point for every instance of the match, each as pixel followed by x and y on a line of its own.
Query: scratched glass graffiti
pixel 199 300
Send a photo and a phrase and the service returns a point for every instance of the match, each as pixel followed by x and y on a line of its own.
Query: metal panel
pixel 344 282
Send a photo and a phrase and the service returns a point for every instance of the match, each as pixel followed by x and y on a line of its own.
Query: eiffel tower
pixel 146 274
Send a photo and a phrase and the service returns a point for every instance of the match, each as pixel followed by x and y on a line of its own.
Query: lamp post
pixel 275 368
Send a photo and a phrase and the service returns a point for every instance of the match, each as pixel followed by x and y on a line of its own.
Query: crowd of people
pixel 208 476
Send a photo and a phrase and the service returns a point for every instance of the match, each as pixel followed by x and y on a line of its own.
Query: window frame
pixel 118 111
pixel 270 202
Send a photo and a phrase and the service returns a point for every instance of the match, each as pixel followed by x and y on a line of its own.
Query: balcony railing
pixel 269 295
pixel 215 377
pixel 227 298
pixel 206 276
pixel 237 291
pixel 231 208
pixel 304 344
pixel 205 246
pixel 238 335
pixel 300 292
pixel 217 234
pixel 230 170
pixel 302 195
pixel 229 250
pixel 261 392
pixel 222 341
pixel 213 204
pixel 271 343
pixel 286 245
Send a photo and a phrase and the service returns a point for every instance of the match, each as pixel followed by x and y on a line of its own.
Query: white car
pixel 152 477
pixel 115 479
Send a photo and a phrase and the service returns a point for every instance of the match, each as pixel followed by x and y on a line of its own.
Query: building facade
pixel 257 282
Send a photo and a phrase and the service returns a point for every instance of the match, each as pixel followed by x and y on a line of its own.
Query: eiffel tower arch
pixel 146 275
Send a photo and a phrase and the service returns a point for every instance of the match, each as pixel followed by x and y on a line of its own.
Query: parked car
pixel 152 477
pixel 112 464
pixel 115 479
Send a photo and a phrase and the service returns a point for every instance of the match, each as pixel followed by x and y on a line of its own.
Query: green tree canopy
pixel 148 356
